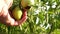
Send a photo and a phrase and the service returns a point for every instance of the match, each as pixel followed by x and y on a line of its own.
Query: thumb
pixel 9 3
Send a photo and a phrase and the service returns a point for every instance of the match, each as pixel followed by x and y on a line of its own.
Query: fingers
pixel 22 20
pixel 11 21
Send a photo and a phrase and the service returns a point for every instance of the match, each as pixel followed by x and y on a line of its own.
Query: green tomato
pixel 26 3
pixel 17 13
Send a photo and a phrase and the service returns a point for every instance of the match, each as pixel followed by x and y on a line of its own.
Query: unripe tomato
pixel 26 3
pixel 17 13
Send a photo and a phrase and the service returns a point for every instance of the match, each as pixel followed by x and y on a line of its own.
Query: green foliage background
pixel 43 18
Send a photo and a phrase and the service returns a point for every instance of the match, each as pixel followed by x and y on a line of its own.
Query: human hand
pixel 5 16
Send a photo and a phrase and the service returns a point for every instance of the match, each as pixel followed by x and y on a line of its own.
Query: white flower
pixel 32 1
pixel 46 2
pixel 48 7
pixel 48 26
pixel 53 6
pixel 37 20
pixel 36 12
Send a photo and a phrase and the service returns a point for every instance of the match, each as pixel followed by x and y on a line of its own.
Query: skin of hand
pixel 5 16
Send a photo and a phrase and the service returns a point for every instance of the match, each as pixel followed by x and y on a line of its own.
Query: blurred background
pixel 43 18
